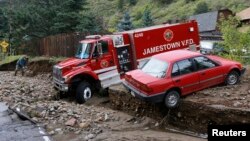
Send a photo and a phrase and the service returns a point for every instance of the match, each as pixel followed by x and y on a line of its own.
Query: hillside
pixel 111 12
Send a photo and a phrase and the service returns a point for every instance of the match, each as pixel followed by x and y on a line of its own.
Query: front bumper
pixel 156 98
pixel 242 71
pixel 60 86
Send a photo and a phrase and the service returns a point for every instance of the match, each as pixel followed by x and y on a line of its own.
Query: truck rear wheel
pixel 83 92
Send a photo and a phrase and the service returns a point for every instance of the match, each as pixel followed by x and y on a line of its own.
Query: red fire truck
pixel 101 61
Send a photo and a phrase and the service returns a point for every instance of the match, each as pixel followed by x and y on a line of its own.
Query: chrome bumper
pixel 60 86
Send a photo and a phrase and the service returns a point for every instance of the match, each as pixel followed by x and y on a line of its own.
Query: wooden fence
pixel 58 45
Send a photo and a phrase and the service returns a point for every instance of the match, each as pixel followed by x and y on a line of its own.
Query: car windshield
pixel 155 67
pixel 83 51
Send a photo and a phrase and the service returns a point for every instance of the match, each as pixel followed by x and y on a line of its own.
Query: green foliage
pixel 147 19
pixel 10 59
pixel 165 1
pixel 160 11
pixel 187 1
pixel 234 41
pixel 201 7
pixel 36 19
pixel 120 4
pixel 3 24
pixel 132 2
pixel 125 23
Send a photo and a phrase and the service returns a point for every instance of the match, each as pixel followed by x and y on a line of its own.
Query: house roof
pixel 244 14
pixel 206 21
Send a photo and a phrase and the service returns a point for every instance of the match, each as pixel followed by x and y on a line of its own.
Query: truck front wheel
pixel 83 92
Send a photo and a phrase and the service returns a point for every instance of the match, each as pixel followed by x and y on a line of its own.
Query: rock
pixel 99 131
pixel 131 119
pixel 237 103
pixel 146 128
pixel 179 114
pixel 58 129
pixel 52 132
pixel 156 124
pixel 100 118
pixel 248 91
pixel 84 125
pixel 71 122
pixel 78 132
pixel 206 93
pixel 106 118
pixel 89 136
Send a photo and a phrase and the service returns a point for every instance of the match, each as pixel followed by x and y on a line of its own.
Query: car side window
pixel 203 63
pixel 175 70
pixel 182 67
pixel 185 66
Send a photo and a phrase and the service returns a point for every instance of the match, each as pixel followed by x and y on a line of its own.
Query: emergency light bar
pixel 93 37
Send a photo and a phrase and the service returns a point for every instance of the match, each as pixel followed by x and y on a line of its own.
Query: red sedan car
pixel 168 76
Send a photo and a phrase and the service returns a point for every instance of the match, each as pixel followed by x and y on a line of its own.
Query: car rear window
pixel 155 67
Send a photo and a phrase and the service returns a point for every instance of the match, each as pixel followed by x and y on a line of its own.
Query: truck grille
pixel 57 73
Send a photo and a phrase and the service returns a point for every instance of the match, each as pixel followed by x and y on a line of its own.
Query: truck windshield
pixel 155 67
pixel 83 51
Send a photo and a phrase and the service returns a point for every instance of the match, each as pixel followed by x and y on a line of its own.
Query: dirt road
pixel 66 120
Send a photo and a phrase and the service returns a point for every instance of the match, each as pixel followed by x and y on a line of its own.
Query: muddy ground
pixel 66 120
pixel 123 117
pixel 217 105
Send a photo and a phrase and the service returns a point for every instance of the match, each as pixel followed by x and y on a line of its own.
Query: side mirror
pixel 99 49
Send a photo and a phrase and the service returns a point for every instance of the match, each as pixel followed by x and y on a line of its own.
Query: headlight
pixel 65 79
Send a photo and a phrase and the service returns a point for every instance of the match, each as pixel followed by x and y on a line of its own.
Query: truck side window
pixel 95 53
pixel 105 47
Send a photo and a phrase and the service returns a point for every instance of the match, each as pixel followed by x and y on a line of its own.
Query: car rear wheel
pixel 232 78
pixel 83 92
pixel 172 99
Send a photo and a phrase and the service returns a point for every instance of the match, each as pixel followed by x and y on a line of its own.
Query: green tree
pixel 234 41
pixel 201 7
pixel 146 18
pixel 90 24
pixel 132 2
pixel 3 24
pixel 125 23
pixel 36 19
pixel 120 4
pixel 165 1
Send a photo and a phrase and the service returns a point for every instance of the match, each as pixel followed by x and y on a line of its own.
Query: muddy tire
pixel 172 99
pixel 83 92
pixel 232 78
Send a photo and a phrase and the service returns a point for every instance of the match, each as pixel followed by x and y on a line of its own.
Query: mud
pixel 8 67
pixel 65 120
pixel 35 67
pixel 217 105
pixel 121 116
pixel 38 67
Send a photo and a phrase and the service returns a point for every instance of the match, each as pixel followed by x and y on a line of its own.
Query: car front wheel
pixel 172 99
pixel 83 92
pixel 232 78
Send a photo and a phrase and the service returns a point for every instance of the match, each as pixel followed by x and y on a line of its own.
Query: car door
pixel 210 72
pixel 185 77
